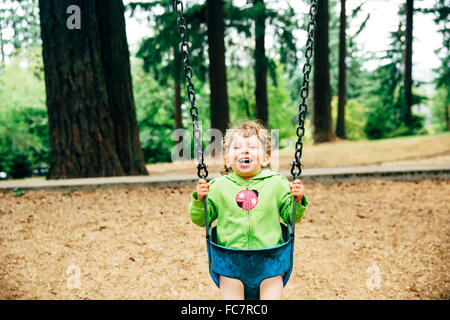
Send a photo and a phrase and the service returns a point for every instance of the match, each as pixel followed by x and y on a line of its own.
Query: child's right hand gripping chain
pixel 202 189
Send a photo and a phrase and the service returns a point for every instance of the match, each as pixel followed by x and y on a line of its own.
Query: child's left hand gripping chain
pixel 202 189
pixel 297 189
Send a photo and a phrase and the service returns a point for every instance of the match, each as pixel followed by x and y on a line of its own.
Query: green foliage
pixel 24 141
pixel 161 53
pixel 441 104
pixel 283 22
pixel 283 110
pixel 387 105
pixel 378 122
pixel 241 88
pixel 154 112
pixel 22 81
pixel 414 127
pixel 70 191
pixel 356 115
pixel 18 192
pixel 384 111
pixel 383 123
pixel 440 110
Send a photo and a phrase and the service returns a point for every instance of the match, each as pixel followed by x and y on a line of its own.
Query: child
pixel 248 202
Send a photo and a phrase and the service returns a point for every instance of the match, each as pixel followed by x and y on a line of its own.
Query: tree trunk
pixel 408 61
pixel 177 79
pixel 262 104
pixel 217 70
pixel 2 52
pixel 178 123
pixel 88 85
pixel 15 40
pixel 116 63
pixel 446 111
pixel 340 123
pixel 323 131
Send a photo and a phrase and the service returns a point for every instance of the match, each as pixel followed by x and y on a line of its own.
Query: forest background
pixel 376 106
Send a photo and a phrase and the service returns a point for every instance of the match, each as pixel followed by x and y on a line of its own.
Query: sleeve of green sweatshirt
pixel 287 202
pixel 196 210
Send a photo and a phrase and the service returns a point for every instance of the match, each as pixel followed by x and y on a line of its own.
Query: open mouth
pixel 245 160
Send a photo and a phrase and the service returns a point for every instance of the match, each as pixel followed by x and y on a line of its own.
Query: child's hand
pixel 297 189
pixel 202 189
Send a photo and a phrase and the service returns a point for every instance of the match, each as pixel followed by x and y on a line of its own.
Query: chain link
pixel 188 73
pixel 304 92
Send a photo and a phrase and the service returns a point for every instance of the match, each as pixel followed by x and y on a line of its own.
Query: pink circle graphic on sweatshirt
pixel 247 199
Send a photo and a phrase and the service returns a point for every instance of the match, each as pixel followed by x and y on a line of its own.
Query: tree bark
pixel 408 61
pixel 447 113
pixel 2 52
pixel 323 131
pixel 178 123
pixel 90 106
pixel 177 79
pixel 116 63
pixel 262 104
pixel 219 114
pixel 340 123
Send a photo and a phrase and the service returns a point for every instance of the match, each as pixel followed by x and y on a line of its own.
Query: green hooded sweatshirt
pixel 248 212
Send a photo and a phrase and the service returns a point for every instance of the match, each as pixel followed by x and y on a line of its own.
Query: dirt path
pixel 369 240
pixel 434 149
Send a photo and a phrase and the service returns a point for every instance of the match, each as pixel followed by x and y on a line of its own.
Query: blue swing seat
pixel 251 266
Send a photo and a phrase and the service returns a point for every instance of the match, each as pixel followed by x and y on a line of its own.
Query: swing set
pixel 252 266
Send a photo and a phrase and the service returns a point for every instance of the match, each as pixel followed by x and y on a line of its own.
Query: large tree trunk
pixel 323 131
pixel 340 123
pixel 90 106
pixel 116 62
pixel 217 70
pixel 262 104
pixel 408 61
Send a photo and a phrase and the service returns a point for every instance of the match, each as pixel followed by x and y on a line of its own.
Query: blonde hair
pixel 246 129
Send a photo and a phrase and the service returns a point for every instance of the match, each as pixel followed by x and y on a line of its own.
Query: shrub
pixel 23 141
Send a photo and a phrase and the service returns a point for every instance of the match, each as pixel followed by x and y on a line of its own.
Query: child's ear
pixel 266 161
pixel 225 160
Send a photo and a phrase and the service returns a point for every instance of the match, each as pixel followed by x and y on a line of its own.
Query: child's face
pixel 246 156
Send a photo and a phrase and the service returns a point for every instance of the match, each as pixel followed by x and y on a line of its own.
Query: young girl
pixel 248 202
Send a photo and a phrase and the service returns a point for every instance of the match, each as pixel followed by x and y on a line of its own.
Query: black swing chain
pixel 304 92
pixel 188 73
